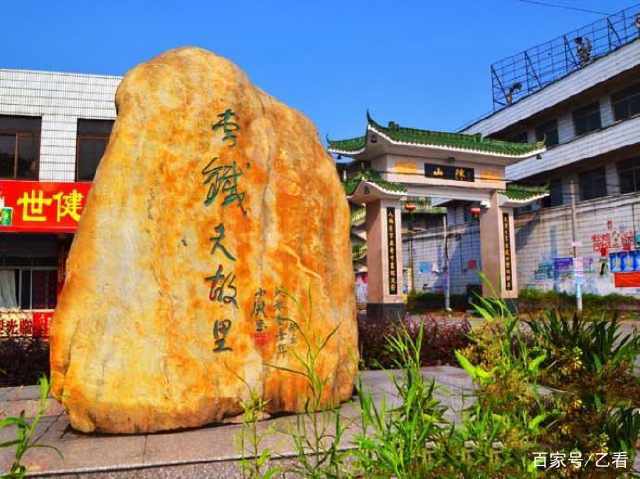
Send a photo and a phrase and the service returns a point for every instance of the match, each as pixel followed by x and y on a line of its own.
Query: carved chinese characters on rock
pixel 222 182
pixel 228 126
pixel 286 335
pixel 214 216
pixel 258 313
pixel 223 179
pixel 285 326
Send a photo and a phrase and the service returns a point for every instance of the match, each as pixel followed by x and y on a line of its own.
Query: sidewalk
pixel 205 452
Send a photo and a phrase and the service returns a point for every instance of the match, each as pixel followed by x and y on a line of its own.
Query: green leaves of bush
pixel 25 431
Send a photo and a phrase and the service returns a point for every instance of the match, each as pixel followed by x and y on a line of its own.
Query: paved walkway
pixel 206 452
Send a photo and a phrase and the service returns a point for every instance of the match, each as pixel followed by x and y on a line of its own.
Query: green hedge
pixel 418 302
pixel 535 298
pixel 529 299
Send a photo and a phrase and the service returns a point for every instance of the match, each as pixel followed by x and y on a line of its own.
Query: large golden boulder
pixel 212 255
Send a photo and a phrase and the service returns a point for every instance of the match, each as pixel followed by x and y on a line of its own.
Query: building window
pixel 629 175
pixel 548 132
pixel 593 184
pixel 626 103
pixel 19 147
pixel 28 288
pixel 93 136
pixel 521 137
pixel 556 196
pixel 587 119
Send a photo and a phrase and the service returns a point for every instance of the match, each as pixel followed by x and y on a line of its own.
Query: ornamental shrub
pixel 592 392
pixel 441 339
pixel 590 366
pixel 535 301
pixel 419 302
pixel 23 361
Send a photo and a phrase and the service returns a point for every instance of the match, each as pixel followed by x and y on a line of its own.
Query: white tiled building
pixel 590 118
pixel 54 128
pixel 59 100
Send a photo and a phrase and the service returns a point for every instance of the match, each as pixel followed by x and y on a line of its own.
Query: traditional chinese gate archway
pixel 405 162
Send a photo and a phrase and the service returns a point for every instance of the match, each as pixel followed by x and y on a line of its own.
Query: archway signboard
pixel 407 162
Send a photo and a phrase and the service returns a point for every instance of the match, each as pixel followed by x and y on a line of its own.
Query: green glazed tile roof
pixel 374 177
pixel 358 216
pixel 350 145
pixel 358 251
pixel 519 192
pixel 437 138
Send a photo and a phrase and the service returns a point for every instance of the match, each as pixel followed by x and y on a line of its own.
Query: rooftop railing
pixel 520 75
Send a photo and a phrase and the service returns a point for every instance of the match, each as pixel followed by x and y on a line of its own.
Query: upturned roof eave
pixel 436 146
pixel 359 196
pixel 381 131
pixel 338 151
pixel 505 201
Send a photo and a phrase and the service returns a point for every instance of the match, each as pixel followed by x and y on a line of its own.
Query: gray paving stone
pixel 20 393
pixel 212 451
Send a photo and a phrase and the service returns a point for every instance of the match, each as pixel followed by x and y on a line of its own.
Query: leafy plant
pixel 589 403
pixel 25 431
pixel 319 431
pixel 495 439
pixel 490 446
pixel 534 301
pixel 256 465
pixel 578 346
pixel 394 441
pixel 440 340
pixel 503 361
pixel 510 410
pixel 590 365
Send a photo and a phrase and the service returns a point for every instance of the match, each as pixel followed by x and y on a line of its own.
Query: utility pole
pixel 447 280
pixel 574 245
pixel 410 207
pixel 412 278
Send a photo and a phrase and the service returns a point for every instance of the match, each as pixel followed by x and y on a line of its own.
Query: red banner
pixel 41 206
pixel 627 280
pixel 24 323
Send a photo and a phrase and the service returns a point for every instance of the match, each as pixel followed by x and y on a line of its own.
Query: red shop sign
pixel 41 206
pixel 25 323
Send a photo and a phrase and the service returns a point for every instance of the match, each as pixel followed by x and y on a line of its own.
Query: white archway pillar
pixel 498 250
pixel 384 258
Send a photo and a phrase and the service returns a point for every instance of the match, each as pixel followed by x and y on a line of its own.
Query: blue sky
pixel 423 63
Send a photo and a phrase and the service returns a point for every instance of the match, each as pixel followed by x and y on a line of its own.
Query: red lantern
pixel 409 207
pixel 475 211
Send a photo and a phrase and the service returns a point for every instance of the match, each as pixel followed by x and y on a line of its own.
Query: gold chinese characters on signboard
pixel 444 172
pixel 508 267
pixel 391 246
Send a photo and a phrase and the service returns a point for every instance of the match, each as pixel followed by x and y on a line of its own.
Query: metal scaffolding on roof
pixel 515 77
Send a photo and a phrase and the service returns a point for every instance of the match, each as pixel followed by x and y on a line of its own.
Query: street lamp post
pixel 447 280
pixel 410 208
pixel 574 246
